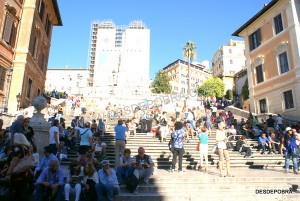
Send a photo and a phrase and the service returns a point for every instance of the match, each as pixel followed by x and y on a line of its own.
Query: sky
pixel 207 23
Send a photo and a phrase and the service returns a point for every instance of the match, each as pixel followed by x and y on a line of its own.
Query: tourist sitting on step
pixel 108 183
pixel 90 179
pixel 155 128
pixel 126 166
pixel 275 143
pixel 74 180
pixel 48 156
pixel 131 127
pixel 62 151
pixel 243 146
pixel 83 159
pixel 100 155
pixel 264 143
pixel 231 132
pixel 144 166
pixel 50 183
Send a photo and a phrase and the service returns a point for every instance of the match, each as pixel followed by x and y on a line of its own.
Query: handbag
pixel 215 149
pixel 24 164
pixel 198 147
pixel 295 152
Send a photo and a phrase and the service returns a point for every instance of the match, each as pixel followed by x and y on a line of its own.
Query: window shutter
pixel 258 37
pixel 8 28
pixel 250 42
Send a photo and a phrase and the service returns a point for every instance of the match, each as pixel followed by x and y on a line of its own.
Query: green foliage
pixel 189 51
pixel 161 84
pixel 212 87
pixel 229 94
pixel 245 90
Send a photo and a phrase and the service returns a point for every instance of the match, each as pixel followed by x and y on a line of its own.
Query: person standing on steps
pixel 120 144
pixel 203 140
pixel 164 129
pixel 221 140
pixel 178 137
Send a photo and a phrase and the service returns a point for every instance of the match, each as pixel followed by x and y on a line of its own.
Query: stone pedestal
pixel 40 126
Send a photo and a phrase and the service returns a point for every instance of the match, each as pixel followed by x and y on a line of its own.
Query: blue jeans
pixel 124 172
pixel 40 189
pixel 287 161
pixel 108 190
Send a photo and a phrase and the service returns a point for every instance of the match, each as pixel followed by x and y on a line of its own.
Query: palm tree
pixel 189 52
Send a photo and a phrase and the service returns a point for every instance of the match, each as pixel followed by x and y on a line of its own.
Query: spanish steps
pixel 263 172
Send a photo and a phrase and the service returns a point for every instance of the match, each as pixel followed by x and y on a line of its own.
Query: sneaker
pixel 172 170
pixel 136 190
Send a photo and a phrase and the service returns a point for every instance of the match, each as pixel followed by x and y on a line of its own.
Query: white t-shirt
pixel 52 131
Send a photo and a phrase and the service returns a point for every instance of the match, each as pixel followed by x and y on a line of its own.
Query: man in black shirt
pixel 270 125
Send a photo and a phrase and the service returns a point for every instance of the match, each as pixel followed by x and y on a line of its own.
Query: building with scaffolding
pixel 119 59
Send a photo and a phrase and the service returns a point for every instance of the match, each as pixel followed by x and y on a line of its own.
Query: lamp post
pixel 18 101
pixel 8 74
pixel 113 83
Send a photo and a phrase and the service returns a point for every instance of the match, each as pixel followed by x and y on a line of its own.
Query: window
pixel 283 62
pixel 42 61
pixel 33 47
pixel 48 26
pixel 255 40
pixel 263 105
pixel 259 74
pixel 41 9
pixel 28 92
pixel 2 77
pixel 288 99
pixel 8 30
pixel 278 24
pixel 39 92
pixel 231 62
pixel 230 51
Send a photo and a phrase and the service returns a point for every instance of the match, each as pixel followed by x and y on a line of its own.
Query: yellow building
pixel 272 39
pixel 178 72
pixel 228 60
pixel 25 38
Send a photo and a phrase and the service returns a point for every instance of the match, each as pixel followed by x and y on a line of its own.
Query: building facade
pixel 178 73
pixel 228 60
pixel 25 38
pixel 73 81
pixel 119 59
pixel 272 39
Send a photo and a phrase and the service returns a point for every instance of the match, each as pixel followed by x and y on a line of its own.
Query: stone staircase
pixel 263 172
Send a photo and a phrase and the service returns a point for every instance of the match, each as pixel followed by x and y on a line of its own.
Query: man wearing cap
pixel 120 141
pixel 108 183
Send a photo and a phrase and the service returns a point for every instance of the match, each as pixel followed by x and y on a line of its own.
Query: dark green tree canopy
pixel 212 87
pixel 245 90
pixel 161 84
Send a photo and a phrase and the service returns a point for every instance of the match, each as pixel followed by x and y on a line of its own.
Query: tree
pixel 245 90
pixel 161 84
pixel 229 94
pixel 212 87
pixel 189 52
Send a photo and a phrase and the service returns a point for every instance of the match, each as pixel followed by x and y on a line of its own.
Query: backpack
pixel 131 183
pixel 163 122
pixel 219 119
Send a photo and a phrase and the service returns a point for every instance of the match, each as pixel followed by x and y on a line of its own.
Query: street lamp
pixel 18 101
pixel 8 74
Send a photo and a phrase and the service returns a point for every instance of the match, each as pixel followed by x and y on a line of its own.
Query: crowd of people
pixel 91 176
